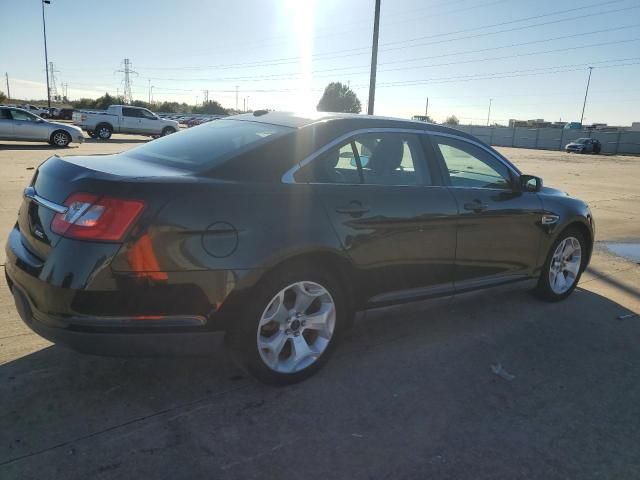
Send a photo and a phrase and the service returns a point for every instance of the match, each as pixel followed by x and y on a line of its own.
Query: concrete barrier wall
pixel 553 138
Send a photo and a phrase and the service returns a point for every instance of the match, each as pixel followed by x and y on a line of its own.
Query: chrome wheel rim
pixel 104 133
pixel 565 265
pixel 296 327
pixel 60 139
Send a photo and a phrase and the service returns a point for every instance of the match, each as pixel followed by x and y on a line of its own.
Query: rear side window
pixel 208 145
pixel 374 159
pixel 4 114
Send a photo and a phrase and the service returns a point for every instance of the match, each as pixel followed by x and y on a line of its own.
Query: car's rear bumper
pixel 116 341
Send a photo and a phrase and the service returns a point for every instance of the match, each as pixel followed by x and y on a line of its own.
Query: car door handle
pixel 476 206
pixel 354 208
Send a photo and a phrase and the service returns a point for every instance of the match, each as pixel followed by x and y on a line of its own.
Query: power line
pixel 362 70
pixel 290 60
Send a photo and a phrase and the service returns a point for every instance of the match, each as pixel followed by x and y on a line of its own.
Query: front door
pixel 149 122
pixel 499 230
pixel 394 222
pixel 27 126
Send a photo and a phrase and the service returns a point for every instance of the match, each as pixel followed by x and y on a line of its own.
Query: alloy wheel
pixel 296 327
pixel 565 265
pixel 60 139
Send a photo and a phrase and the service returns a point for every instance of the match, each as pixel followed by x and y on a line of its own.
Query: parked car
pixel 41 112
pixel 584 145
pixel 269 230
pixel 64 113
pixel 123 119
pixel 20 125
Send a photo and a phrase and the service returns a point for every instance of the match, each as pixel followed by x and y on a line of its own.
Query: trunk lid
pixel 57 178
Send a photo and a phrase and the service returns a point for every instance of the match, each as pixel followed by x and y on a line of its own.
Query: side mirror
pixel 530 183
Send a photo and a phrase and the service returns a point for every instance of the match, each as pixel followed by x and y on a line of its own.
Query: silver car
pixel 20 125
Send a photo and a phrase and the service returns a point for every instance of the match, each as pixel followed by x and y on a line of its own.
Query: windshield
pixel 581 140
pixel 207 145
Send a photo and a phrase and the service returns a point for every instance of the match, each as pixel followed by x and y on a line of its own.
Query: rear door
pixel 131 120
pixel 393 219
pixel 499 231
pixel 6 124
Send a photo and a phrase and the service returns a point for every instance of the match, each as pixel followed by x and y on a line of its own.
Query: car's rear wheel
pixel 60 139
pixel 291 325
pixel 564 265
pixel 104 131
pixel 92 134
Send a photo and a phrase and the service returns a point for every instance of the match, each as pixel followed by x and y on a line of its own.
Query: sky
pixel 528 58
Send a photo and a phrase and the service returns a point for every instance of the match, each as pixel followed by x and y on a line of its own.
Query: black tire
pixel 92 134
pixel 242 337
pixel 104 131
pixel 167 131
pixel 60 139
pixel 544 290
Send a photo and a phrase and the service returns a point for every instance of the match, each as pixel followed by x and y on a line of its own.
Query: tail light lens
pixel 90 217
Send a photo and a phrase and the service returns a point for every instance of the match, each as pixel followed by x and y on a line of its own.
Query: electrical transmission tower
pixel 128 71
pixel 206 96
pixel 53 86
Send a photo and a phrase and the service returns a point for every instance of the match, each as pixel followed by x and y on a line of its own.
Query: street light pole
pixel 585 96
pixel 489 114
pixel 46 57
pixel 374 59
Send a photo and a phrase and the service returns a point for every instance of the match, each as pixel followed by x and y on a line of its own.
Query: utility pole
pixel 128 71
pixel 236 98
pixel 149 80
pixel 46 56
pixel 374 59
pixel 489 114
pixel 6 75
pixel 426 108
pixel 585 96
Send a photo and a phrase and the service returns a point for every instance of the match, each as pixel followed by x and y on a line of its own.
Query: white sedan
pixel 19 125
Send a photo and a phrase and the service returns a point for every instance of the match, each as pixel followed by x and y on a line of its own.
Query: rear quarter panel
pixel 270 222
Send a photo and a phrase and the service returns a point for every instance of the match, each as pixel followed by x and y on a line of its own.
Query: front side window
pixel 373 159
pixel 23 116
pixel 471 166
pixel 148 114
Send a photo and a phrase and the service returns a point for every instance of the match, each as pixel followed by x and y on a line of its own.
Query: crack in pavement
pixel 124 424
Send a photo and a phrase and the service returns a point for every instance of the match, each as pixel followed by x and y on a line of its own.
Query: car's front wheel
pixel 291 325
pixel 564 265
pixel 60 139
pixel 167 131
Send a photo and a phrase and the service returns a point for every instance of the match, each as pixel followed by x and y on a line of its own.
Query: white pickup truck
pixel 123 119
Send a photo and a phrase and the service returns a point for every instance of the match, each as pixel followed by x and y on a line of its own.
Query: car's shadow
pixel 410 390
pixel 36 146
pixel 118 140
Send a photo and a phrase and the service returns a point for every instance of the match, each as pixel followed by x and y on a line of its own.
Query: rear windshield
pixel 207 145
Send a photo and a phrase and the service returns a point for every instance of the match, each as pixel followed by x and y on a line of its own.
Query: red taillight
pixel 90 217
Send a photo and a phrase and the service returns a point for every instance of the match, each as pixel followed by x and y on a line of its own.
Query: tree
pixel 452 120
pixel 338 97
pixel 3 97
pixel 211 107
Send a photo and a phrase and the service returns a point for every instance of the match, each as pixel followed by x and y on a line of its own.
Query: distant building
pixel 635 127
pixel 537 123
